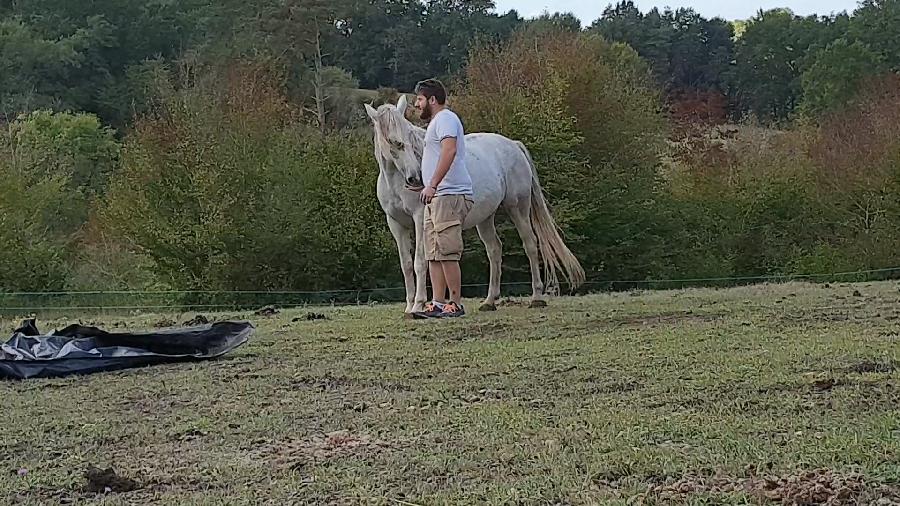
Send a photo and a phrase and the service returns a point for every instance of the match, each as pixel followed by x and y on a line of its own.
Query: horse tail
pixel 555 255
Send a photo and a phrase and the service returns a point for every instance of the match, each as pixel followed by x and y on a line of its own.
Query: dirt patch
pixel 853 311
pixel 472 331
pixel 164 323
pixel 775 388
pixel 47 495
pixel 297 454
pixel 329 382
pixel 818 392
pixel 485 395
pixel 197 320
pixel 184 483
pixel 820 487
pixel 513 303
pixel 267 311
pixel 596 385
pixel 106 480
pixel 673 318
pixel 311 317
pixel 870 367
pixel 824 385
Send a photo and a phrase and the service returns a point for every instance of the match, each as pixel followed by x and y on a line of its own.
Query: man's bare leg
pixel 453 280
pixel 438 282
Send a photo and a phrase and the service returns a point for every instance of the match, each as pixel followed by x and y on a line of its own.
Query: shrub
pixel 223 187
pixel 591 116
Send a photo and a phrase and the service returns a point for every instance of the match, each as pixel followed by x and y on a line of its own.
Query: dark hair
pixel 432 88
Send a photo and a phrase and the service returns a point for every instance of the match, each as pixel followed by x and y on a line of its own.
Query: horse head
pixel 398 143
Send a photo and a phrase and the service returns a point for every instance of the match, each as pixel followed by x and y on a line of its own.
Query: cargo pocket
pixel 448 236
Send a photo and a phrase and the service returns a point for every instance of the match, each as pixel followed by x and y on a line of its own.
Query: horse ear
pixel 371 112
pixel 402 104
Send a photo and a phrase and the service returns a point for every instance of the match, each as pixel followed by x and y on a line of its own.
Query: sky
pixel 589 10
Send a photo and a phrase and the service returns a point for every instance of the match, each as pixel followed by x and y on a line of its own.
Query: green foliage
pixel 54 166
pixel 222 189
pixel 750 219
pixel 815 201
pixel 771 56
pixel 769 65
pixel 72 55
pixel 591 115
pixel 876 23
pixel 856 150
pixel 75 146
pixel 835 75
pixel 550 23
pixel 93 57
pixel 826 258
pixel 73 150
pixel 394 43
pixel 31 258
pixel 29 63
pixel 685 50
pixel 31 204
pixel 343 100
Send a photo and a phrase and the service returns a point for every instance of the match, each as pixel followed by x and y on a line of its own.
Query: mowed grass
pixel 639 397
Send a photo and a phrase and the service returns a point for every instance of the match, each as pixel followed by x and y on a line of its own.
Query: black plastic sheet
pixel 77 349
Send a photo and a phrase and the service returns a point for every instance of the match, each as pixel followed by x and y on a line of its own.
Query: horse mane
pixel 410 134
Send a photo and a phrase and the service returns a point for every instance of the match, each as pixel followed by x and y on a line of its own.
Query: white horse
pixel 503 174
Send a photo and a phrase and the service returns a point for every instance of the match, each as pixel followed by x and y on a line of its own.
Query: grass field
pixel 769 394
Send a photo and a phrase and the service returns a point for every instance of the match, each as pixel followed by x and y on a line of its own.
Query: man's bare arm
pixel 448 154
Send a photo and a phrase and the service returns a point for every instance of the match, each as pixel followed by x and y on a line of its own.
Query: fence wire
pixel 19 303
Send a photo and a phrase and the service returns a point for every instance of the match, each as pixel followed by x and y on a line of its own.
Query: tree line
pixel 94 56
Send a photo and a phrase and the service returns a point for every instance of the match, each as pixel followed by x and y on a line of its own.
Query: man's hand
pixel 427 195
pixel 448 154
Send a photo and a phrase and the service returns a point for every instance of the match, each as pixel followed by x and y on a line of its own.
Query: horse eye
pixel 398 145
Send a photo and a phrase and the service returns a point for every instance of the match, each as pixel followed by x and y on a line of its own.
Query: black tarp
pixel 77 349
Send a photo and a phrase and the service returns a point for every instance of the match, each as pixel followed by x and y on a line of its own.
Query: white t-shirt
pixel 457 181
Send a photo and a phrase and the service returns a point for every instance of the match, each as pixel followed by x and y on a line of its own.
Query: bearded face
pixel 425 107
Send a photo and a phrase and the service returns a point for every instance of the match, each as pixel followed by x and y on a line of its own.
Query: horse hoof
pixel 408 316
pixel 535 304
pixel 487 307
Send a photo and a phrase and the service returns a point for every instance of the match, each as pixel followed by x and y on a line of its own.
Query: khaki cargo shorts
pixel 444 218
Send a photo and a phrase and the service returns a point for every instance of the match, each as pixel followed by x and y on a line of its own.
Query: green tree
pixel 77 54
pixel 32 257
pixel 771 57
pixel 876 23
pixel 29 66
pixel 76 146
pixel 547 22
pixel 52 166
pixel 685 50
pixel 394 43
pixel 591 114
pixel 222 188
pixel 73 150
pixel 382 43
pixel 835 75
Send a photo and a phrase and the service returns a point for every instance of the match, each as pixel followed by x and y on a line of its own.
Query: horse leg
pixel 494 248
pixel 405 248
pixel 421 265
pixel 521 217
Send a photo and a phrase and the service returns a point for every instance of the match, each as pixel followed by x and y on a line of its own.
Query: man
pixel 447 195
